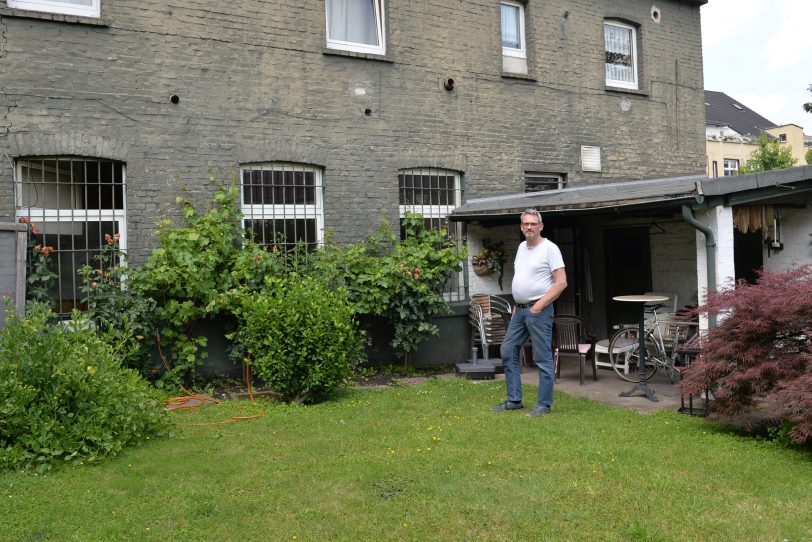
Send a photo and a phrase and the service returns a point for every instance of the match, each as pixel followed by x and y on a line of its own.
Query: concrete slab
pixel 608 387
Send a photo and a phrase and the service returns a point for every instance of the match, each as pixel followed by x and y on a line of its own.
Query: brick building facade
pixel 490 96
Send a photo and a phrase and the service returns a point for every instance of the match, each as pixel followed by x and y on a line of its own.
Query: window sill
pixel 55 17
pixel 623 90
pixel 353 54
pixel 519 76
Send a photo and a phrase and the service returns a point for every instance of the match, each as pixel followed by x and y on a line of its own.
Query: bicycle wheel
pixel 624 354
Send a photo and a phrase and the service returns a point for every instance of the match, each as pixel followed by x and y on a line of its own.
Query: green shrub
pixel 65 397
pixel 402 280
pixel 299 337
pixel 187 276
pixel 123 313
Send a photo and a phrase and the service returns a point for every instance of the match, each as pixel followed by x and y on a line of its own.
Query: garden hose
pixel 195 401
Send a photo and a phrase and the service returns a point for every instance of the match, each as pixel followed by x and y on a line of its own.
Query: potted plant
pixel 490 259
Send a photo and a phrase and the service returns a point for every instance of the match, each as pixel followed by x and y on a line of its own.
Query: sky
pixel 758 53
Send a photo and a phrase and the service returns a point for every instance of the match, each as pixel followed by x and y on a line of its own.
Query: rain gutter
pixel 710 246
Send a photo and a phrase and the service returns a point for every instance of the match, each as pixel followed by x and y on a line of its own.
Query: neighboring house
pixel 731 129
pixel 334 115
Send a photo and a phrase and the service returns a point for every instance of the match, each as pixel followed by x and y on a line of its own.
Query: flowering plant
pixel 41 277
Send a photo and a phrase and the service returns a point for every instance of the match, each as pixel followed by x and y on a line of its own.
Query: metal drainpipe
pixel 710 253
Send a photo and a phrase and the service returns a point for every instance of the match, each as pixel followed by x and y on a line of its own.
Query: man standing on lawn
pixel 538 280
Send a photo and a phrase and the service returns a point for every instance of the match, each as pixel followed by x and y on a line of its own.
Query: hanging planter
pixel 482 269
pixel 491 259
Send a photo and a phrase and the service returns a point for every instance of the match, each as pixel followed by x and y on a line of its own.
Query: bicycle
pixel 661 339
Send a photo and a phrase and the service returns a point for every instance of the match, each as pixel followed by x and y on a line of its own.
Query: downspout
pixel 710 249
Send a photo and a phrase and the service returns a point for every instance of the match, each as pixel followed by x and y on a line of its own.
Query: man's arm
pixel 559 285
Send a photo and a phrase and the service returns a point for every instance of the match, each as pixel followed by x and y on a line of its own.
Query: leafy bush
pixel 187 276
pixel 300 338
pixel 124 314
pixel 761 349
pixel 401 280
pixel 64 396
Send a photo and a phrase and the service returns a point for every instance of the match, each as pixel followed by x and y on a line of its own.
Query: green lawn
pixel 426 462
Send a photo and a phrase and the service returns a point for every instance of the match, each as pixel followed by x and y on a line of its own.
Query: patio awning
pixel 669 193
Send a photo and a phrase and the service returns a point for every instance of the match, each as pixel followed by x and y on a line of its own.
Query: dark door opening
pixel 628 272
pixel 748 255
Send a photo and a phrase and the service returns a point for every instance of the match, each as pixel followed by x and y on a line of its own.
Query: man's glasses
pixel 530 224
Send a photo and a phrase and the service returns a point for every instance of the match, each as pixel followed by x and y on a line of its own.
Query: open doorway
pixel 748 254
pixel 628 271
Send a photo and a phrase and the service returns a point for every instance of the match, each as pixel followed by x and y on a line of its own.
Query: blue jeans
pixel 539 328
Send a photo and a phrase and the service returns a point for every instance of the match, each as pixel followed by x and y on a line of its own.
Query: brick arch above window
pixel 69 144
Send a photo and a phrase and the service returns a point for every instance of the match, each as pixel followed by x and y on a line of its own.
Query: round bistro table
pixel 641 384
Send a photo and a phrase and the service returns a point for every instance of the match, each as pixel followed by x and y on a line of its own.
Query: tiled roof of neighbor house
pixel 722 110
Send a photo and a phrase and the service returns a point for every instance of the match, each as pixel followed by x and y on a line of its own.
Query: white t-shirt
pixel 533 270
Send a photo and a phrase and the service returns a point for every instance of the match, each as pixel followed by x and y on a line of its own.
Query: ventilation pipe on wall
pixel 710 253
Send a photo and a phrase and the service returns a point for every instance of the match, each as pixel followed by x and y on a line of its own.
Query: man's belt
pixel 526 305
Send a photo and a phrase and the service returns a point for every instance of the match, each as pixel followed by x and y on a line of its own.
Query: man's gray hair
pixel 531 212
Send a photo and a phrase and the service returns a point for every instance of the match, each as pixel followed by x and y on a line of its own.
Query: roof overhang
pixel 645 196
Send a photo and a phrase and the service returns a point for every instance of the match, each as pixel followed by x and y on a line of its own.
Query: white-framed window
pixel 72 204
pixel 434 193
pixel 731 167
pixel 621 54
pixel 83 8
pixel 513 40
pixel 538 182
pixel 282 204
pixel 356 25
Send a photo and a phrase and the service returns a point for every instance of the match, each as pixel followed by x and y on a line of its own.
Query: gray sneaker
pixel 539 410
pixel 507 405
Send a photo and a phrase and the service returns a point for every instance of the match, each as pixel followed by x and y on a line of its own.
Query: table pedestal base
pixel 641 386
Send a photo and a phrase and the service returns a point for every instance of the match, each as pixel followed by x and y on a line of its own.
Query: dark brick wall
pixel 255 84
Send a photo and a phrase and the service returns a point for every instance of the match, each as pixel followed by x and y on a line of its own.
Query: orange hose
pixel 195 401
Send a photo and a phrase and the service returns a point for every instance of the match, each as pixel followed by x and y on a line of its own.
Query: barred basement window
pixel 282 204
pixel 537 182
pixel 73 203
pixel 433 193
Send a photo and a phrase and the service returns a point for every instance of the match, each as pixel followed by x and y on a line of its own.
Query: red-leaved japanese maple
pixel 760 352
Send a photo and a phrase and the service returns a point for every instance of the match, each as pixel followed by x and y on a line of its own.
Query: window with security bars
pixel 282 204
pixel 71 203
pixel 537 182
pixel 433 193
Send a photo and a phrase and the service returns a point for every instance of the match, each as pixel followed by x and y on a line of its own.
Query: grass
pixel 426 462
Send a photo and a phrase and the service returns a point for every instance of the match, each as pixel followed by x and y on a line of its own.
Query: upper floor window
pixel 514 49
pixel 75 206
pixel 83 8
pixel 621 54
pixel 513 30
pixel 282 204
pixel 782 138
pixel 356 25
pixel 731 167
